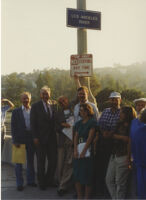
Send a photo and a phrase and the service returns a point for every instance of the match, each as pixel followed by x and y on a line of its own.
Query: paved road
pixel 8 188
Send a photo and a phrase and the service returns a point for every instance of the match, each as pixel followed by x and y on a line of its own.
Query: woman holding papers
pixel 83 161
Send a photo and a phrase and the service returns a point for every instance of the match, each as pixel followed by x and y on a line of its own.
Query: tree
pixel 12 87
pixel 102 98
pixel 129 95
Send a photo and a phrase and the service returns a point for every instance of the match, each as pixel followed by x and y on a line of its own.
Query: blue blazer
pixel 18 127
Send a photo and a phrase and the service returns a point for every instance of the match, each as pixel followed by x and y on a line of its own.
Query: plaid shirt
pixel 109 119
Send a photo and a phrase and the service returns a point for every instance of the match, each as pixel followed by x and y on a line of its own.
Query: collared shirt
pixel 26 114
pixel 77 109
pixel 4 109
pixel 45 106
pixel 109 119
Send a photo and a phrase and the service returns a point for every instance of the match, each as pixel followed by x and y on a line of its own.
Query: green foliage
pixel 95 85
pixel 102 98
pixel 129 81
pixel 12 87
pixel 131 94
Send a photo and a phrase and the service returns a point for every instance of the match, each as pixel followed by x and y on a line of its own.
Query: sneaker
pixel 61 192
pixel 42 187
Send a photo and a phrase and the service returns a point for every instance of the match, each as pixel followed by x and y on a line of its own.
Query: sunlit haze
pixel 35 35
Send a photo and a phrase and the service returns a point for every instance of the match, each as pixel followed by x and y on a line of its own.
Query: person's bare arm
pixel 8 102
pixel 88 142
pixel 75 145
pixel 77 81
pixel 121 137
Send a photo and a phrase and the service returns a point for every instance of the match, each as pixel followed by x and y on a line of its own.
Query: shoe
pixel 20 188
pixel 52 185
pixel 32 184
pixel 43 187
pixel 61 192
pixel 75 196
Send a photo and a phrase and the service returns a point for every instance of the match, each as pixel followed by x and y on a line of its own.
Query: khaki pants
pixel 117 177
pixel 64 165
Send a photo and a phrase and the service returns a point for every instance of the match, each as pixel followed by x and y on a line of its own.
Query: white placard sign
pixel 81 65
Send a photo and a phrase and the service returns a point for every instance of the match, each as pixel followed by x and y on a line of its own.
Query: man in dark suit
pixel 21 134
pixel 42 124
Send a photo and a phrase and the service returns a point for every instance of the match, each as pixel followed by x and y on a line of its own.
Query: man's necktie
pixel 48 110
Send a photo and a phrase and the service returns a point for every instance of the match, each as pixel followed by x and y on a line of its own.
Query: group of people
pixel 73 142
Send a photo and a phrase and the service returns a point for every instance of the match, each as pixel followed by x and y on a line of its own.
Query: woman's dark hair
pixel 129 112
pixel 87 107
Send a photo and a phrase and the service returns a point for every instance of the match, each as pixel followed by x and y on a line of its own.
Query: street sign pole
pixel 82 44
pixel 81 33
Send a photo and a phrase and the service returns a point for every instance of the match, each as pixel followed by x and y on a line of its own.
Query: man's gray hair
pixel 25 93
pixel 46 88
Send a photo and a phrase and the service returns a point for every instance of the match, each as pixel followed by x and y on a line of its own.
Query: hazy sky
pixel 35 36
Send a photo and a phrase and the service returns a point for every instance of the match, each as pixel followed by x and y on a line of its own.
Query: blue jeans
pixel 30 173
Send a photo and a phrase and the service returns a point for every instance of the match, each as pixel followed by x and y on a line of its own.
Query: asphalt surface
pixel 8 188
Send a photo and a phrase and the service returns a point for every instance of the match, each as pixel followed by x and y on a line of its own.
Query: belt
pixel 80 140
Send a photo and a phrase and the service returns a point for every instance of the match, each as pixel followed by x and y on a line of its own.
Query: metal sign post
pixel 82 44
pixel 82 19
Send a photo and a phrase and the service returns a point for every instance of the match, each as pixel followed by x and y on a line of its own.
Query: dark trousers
pixel 101 160
pixel 30 173
pixel 45 171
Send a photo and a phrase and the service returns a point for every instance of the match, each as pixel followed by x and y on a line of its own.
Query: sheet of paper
pixel 68 131
pixel 81 147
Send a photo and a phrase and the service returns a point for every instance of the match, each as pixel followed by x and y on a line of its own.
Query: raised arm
pixel 77 81
pixel 8 102
pixel 75 145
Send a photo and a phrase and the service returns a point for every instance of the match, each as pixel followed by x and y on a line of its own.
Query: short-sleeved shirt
pixel 83 129
pixel 4 109
pixel 108 120
pixel 120 147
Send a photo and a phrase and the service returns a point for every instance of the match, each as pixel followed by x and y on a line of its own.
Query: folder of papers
pixel 19 154
pixel 81 147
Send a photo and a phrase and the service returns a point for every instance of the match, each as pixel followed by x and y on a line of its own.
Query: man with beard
pixel 107 124
pixel 22 134
pixel 82 94
pixel 42 124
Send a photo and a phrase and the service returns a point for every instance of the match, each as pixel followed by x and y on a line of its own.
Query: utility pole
pixel 82 44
